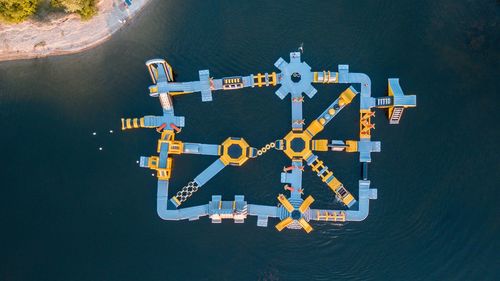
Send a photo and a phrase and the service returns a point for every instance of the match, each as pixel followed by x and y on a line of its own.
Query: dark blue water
pixel 71 212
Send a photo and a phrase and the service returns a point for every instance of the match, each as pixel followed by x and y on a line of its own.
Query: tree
pixel 85 8
pixel 17 10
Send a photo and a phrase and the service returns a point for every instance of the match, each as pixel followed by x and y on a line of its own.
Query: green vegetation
pixel 85 8
pixel 15 11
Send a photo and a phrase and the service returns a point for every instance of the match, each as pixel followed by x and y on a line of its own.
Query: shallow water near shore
pixel 72 212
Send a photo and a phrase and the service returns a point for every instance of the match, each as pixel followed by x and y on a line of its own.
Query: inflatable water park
pixel 292 208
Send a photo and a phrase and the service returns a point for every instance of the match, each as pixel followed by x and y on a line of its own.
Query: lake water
pixel 71 212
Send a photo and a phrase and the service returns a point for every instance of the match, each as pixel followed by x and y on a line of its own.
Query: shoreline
pixel 63 35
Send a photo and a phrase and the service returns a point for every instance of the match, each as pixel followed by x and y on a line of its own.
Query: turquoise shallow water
pixel 72 212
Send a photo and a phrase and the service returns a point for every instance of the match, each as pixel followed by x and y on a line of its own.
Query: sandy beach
pixel 64 34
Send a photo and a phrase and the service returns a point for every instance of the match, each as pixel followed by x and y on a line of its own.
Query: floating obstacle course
pixel 295 78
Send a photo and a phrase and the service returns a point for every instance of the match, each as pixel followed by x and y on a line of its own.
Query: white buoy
pixel 152 175
pixel 137 162
pixel 100 148
pixel 94 133
pixel 110 131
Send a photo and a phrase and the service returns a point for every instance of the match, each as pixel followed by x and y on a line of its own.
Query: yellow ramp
pixel 303 207
pixel 288 206
pixel 284 223
pixel 305 225
pixel 347 96
pixel 352 146
pixel 320 145
pixel 314 128
pixel 348 199
pixel 334 184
